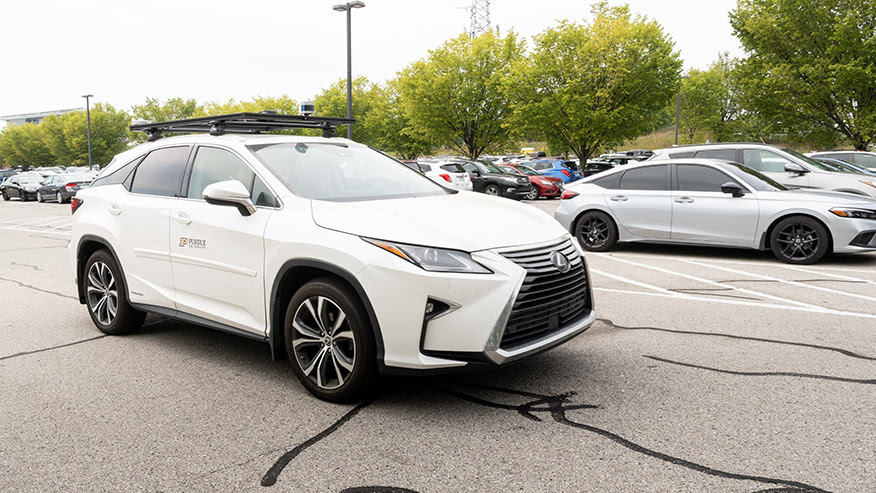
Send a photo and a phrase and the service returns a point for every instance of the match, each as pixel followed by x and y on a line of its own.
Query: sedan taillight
pixel 75 203
pixel 568 194
pixel 70 186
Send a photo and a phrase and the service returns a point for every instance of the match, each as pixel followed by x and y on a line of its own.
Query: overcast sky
pixel 54 51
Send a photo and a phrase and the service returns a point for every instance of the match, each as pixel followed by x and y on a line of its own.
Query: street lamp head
pixel 88 96
pixel 356 4
pixel 340 7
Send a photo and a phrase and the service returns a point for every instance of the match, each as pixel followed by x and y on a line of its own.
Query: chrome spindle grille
pixel 549 298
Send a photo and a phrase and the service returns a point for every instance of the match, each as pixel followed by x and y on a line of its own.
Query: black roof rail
pixel 241 123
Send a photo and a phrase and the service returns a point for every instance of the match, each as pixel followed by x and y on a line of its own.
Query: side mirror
pixel 474 173
pixel 795 168
pixel 230 192
pixel 732 188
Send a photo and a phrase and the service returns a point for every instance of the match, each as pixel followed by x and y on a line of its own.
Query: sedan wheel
pixel 492 190
pixel 5 196
pixel 59 198
pixel 799 240
pixel 22 195
pixel 596 231
pixel 329 337
pixel 533 193
pixel 40 197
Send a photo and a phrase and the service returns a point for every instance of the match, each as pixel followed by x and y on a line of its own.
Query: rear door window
pixel 696 178
pixel 160 173
pixel 766 161
pixel 647 178
pixel 728 154
pixel 866 160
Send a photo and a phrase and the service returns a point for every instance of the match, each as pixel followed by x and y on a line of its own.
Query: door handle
pixel 181 218
pixel 619 198
pixel 684 200
pixel 114 209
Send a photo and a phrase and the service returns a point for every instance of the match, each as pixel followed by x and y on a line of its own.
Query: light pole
pixel 348 8
pixel 678 107
pixel 88 122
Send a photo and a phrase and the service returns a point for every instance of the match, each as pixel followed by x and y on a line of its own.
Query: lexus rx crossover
pixel 340 258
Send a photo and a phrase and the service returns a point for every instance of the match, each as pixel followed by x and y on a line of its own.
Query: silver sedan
pixel 718 203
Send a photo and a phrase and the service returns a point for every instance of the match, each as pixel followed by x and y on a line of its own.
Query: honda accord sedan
pixel 718 203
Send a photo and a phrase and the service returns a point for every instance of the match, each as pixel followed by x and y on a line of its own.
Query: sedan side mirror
pixel 732 188
pixel 230 192
pixel 474 173
pixel 795 168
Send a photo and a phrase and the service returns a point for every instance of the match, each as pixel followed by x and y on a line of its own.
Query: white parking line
pixel 828 274
pixel 637 283
pixel 812 309
pixel 776 279
pixel 714 283
pixel 39 230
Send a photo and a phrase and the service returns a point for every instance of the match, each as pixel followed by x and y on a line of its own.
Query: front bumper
pixel 471 333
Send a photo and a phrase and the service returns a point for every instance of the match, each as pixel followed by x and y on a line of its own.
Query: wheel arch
pixel 852 191
pixel 593 208
pixel 291 276
pixel 765 239
pixel 88 244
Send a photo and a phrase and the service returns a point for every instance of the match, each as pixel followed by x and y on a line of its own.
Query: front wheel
pixel 5 195
pixel 40 197
pixel 22 195
pixel 533 193
pixel 492 190
pixel 106 296
pixel 596 231
pixel 799 240
pixel 329 338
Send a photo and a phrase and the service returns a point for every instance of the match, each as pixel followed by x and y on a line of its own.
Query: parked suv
pixel 786 166
pixel 860 158
pixel 491 180
pixel 342 259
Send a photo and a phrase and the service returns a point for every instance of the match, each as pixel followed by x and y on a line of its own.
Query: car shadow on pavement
pixel 709 252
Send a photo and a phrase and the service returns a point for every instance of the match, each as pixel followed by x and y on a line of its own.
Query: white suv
pixel 339 257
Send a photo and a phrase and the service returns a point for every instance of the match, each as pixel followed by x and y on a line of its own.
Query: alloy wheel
pixel 594 232
pixel 39 197
pixel 102 293
pixel 492 190
pixel 798 241
pixel 58 197
pixel 533 193
pixel 323 342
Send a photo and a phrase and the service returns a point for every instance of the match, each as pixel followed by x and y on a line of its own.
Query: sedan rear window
pixel 647 178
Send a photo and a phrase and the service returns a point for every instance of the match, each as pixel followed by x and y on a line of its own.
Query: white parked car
pixel 448 174
pixel 334 254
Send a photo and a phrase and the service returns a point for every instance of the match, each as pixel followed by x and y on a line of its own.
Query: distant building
pixel 13 120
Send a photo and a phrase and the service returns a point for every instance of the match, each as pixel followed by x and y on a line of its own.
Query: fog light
pixel 430 307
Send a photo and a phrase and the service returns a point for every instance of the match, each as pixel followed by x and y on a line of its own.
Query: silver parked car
pixel 786 166
pixel 718 203
pixel 859 158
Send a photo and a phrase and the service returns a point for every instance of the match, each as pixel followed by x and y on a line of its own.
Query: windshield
pixel 755 180
pixel 30 179
pixel 492 168
pixel 528 171
pixel 511 169
pixel 76 177
pixel 808 160
pixel 324 171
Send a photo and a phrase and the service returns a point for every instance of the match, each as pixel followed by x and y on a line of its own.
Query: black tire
pixel 100 301
pixel 596 231
pixel 22 196
pixel 533 193
pixel 5 196
pixel 59 198
pixel 799 240
pixel 312 344
pixel 40 198
pixel 493 190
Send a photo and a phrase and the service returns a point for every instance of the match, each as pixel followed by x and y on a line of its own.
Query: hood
pixel 465 221
pixel 833 198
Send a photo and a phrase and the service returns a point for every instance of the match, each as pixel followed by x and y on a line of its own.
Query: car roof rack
pixel 241 123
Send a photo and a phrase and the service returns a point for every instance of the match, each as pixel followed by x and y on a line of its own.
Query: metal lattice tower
pixel 480 17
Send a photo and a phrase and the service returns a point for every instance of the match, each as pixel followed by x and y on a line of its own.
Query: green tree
pixel 172 109
pixel 332 102
pixel 282 104
pixel 811 68
pixel 701 103
pixel 23 145
pixel 587 87
pixel 457 94
pixel 66 136
pixel 391 127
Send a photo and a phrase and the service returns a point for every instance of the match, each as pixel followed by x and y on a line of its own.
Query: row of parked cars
pixel 45 184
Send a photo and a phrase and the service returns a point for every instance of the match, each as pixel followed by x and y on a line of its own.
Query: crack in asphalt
pixel 765 373
pixel 270 477
pixel 844 352
pixel 30 248
pixel 706 292
pixel 23 285
pixel 558 405
pixel 25 353
pixel 34 267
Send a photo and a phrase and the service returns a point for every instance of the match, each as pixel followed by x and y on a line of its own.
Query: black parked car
pixel 593 167
pixel 22 186
pixel 491 180
pixel 61 187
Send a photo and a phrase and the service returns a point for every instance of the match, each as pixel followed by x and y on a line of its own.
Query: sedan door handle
pixel 619 198
pixel 684 200
pixel 114 209
pixel 181 218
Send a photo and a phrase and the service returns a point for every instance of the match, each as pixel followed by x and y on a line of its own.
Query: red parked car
pixel 542 185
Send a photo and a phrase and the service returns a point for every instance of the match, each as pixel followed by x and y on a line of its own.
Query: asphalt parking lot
pixel 708 370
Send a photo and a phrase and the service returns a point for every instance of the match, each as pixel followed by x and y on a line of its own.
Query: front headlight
pixel 512 181
pixel 854 213
pixel 433 259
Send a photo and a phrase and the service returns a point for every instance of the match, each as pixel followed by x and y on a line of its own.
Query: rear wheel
pixel 596 231
pixel 329 338
pixel 106 296
pixel 799 240
pixel 59 198
pixel 492 190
